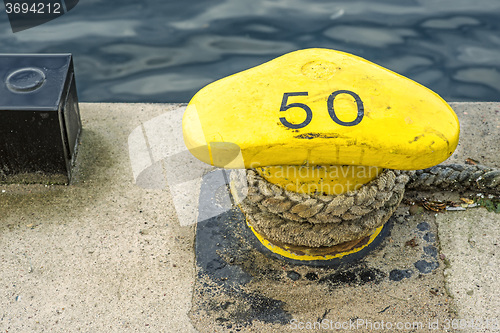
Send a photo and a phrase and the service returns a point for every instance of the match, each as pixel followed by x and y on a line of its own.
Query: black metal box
pixel 39 118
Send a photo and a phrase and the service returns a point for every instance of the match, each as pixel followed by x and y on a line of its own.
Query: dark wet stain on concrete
pixel 423 226
pixel 354 276
pixel 430 237
pixel 431 251
pixel 294 276
pixel 400 274
pixel 311 276
pixel 425 267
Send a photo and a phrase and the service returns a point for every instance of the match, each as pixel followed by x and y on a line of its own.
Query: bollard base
pixel 241 283
pixel 346 251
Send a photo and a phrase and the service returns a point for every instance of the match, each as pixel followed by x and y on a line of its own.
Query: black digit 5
pixel 285 106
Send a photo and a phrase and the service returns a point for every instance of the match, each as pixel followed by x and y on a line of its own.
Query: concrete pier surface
pixel 114 251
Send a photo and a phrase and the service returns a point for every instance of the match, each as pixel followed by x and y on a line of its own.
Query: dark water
pixel 164 51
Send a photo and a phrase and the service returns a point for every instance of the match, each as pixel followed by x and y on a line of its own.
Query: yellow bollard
pixel 319 121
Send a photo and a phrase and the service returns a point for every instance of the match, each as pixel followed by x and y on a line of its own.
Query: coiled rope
pixel 317 220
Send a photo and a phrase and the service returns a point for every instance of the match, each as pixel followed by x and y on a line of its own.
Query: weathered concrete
pixel 102 255
pixel 109 252
pixel 470 241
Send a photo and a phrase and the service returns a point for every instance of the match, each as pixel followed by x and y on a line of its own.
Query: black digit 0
pixel 359 104
pixel 285 107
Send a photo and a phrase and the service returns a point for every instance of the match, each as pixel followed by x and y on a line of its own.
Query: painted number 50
pixel 329 105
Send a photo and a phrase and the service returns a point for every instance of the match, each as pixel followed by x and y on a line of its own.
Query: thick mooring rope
pixel 457 177
pixel 312 220
pixel 321 220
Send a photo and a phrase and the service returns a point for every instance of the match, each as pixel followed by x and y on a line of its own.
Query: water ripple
pixel 164 51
